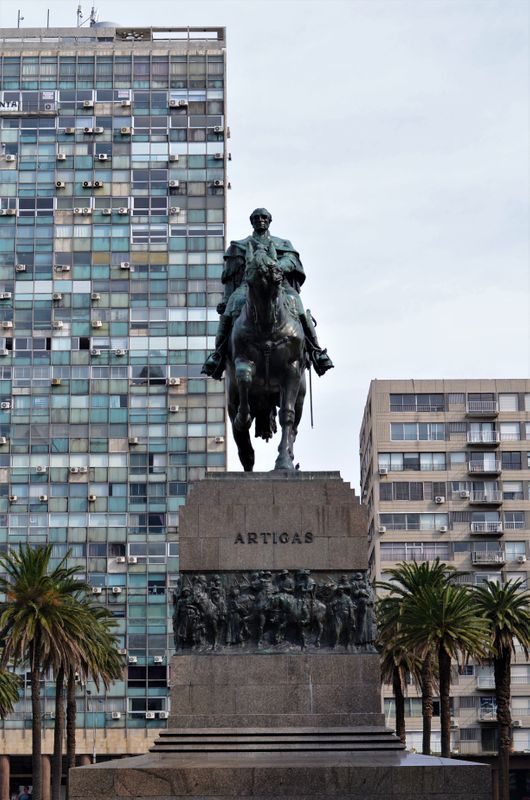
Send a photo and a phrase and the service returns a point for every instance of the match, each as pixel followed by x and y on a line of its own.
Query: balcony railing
pixel 482 408
pixel 483 437
pixel 485 682
pixel 484 467
pixel 492 497
pixel 483 557
pixel 487 715
pixel 469 748
pixel 486 527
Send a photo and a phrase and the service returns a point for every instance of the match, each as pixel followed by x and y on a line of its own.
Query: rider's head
pixel 260 219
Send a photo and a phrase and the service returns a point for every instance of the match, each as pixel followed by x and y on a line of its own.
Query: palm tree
pixel 405 580
pixel 9 691
pixel 445 620
pixel 506 610
pixel 38 625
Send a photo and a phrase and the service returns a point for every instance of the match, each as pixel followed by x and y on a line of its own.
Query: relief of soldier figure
pixel 274 611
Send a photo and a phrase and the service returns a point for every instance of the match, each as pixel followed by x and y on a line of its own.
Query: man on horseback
pixel 270 249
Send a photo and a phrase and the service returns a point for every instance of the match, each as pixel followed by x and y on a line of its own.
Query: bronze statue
pixel 265 340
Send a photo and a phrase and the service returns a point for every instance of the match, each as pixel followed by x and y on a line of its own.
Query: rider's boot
pixel 216 362
pixel 319 357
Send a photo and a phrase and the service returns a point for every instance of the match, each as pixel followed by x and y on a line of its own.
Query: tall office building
pixel 112 213
pixel 445 473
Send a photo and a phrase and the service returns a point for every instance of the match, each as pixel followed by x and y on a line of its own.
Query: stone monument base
pixel 262 775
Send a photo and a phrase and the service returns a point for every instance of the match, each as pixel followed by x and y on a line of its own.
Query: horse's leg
pixel 287 418
pixel 298 409
pixel 245 450
pixel 244 373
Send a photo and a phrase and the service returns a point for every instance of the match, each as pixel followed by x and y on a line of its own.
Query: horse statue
pixel 266 362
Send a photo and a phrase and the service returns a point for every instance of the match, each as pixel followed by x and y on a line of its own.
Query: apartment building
pixel 112 213
pixel 445 473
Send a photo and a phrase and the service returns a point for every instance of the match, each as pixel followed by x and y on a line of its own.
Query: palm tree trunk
pixel 399 698
pixel 36 723
pixel 70 728
pixel 426 703
pixel 58 734
pixel 502 669
pixel 444 666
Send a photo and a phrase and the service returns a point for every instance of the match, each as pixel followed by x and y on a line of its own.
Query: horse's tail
pixel 265 426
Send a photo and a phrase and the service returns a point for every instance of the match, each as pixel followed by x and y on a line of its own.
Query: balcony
pixel 469 748
pixel 487 715
pixel 486 527
pixel 483 558
pixel 491 498
pixel 486 467
pixel 481 438
pixel 482 408
pixel 485 682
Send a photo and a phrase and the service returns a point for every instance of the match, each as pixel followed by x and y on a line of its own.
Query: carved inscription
pixel 273 537
pixel 273 611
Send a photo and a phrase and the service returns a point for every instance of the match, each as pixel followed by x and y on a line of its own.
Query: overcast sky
pixel 389 139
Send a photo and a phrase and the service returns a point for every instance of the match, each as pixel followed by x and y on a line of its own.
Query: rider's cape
pixel 234 266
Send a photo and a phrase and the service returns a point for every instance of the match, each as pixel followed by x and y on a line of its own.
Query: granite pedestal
pixel 275 687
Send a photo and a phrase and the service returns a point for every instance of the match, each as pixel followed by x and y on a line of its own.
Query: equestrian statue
pixel 265 340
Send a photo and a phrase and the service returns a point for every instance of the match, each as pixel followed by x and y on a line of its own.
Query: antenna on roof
pixel 19 18
pixel 93 16
pixel 79 15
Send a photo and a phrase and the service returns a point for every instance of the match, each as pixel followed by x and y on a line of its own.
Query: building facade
pixel 445 473
pixel 112 215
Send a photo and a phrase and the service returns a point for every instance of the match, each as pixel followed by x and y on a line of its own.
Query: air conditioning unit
pixel 98 184
pixel 218 183
pixel 115 715
pixel 97 590
pixel 132 560
pixel 173 157
pixel 121 560
pixel 43 498
pixel 443 529
pixel 103 157
pixel 521 559
pixel 41 469
pixel 57 324
pixel 173 184
pixel 439 499
pixel 150 715
pixel 217 129
pixel 87 184
pixel 158 660
pixel 62 268
pixel 3 439
pixel 219 440
pixel 163 715
pixel 517 723
pixel 87 212
pixel 95 352
pixel 122 651
pixel 381 529
pixel 132 660
pixel 78 211
pixel 106 212
pixel 57 296
pixel 174 210
pixel 173 381
pixel 465 495
pixel 3 212
pixel 383 471
pixel 116 590
pixel 83 470
pixel 218 156
pixel 92 498
pixel 133 440
pixel 4 352
pixel 73 470
pixel 69 131
pixel 61 156
pixel 88 130
pixel 95 296
pixel 125 103
pixel 6 324
pixel 123 210
pixel 60 184
pixel 125 265
pixel 5 295
pixel 20 268
pixel 56 381
pixel 10 159
pixel 99 129
pixel 125 131
pixel 174 409
pixel 97 323
pixel 173 103
pixel 88 104
pixel 13 498
pixel 5 405
pixel 121 352
pixel 49 107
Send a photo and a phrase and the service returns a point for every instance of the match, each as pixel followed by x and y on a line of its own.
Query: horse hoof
pixel 284 462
